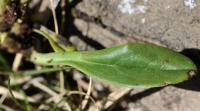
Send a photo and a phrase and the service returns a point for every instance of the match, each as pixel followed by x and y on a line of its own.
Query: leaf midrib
pixel 115 66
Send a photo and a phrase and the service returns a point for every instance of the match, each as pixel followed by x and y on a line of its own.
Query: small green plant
pixel 133 64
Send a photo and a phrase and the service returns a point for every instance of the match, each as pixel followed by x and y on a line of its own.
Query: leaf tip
pixel 191 73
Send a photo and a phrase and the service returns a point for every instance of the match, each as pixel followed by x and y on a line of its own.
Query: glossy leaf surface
pixel 137 64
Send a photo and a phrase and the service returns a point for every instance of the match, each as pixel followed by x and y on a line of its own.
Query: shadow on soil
pixel 70 29
pixel 194 82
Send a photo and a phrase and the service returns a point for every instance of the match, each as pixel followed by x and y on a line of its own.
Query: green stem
pixel 56 58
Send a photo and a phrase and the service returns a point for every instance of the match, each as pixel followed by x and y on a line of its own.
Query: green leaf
pixel 137 64
pixel 57 42
pixel 52 42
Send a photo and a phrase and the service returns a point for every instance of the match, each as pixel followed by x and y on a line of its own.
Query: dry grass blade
pixel 18 81
pixel 111 99
pixel 59 101
pixel 85 101
pixel 54 16
pixel 62 81
pixel 6 108
pixel 3 97
pixel 115 96
pixel 17 61
pixel 56 98
pixel 17 95
pixel 36 82
pixel 96 108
